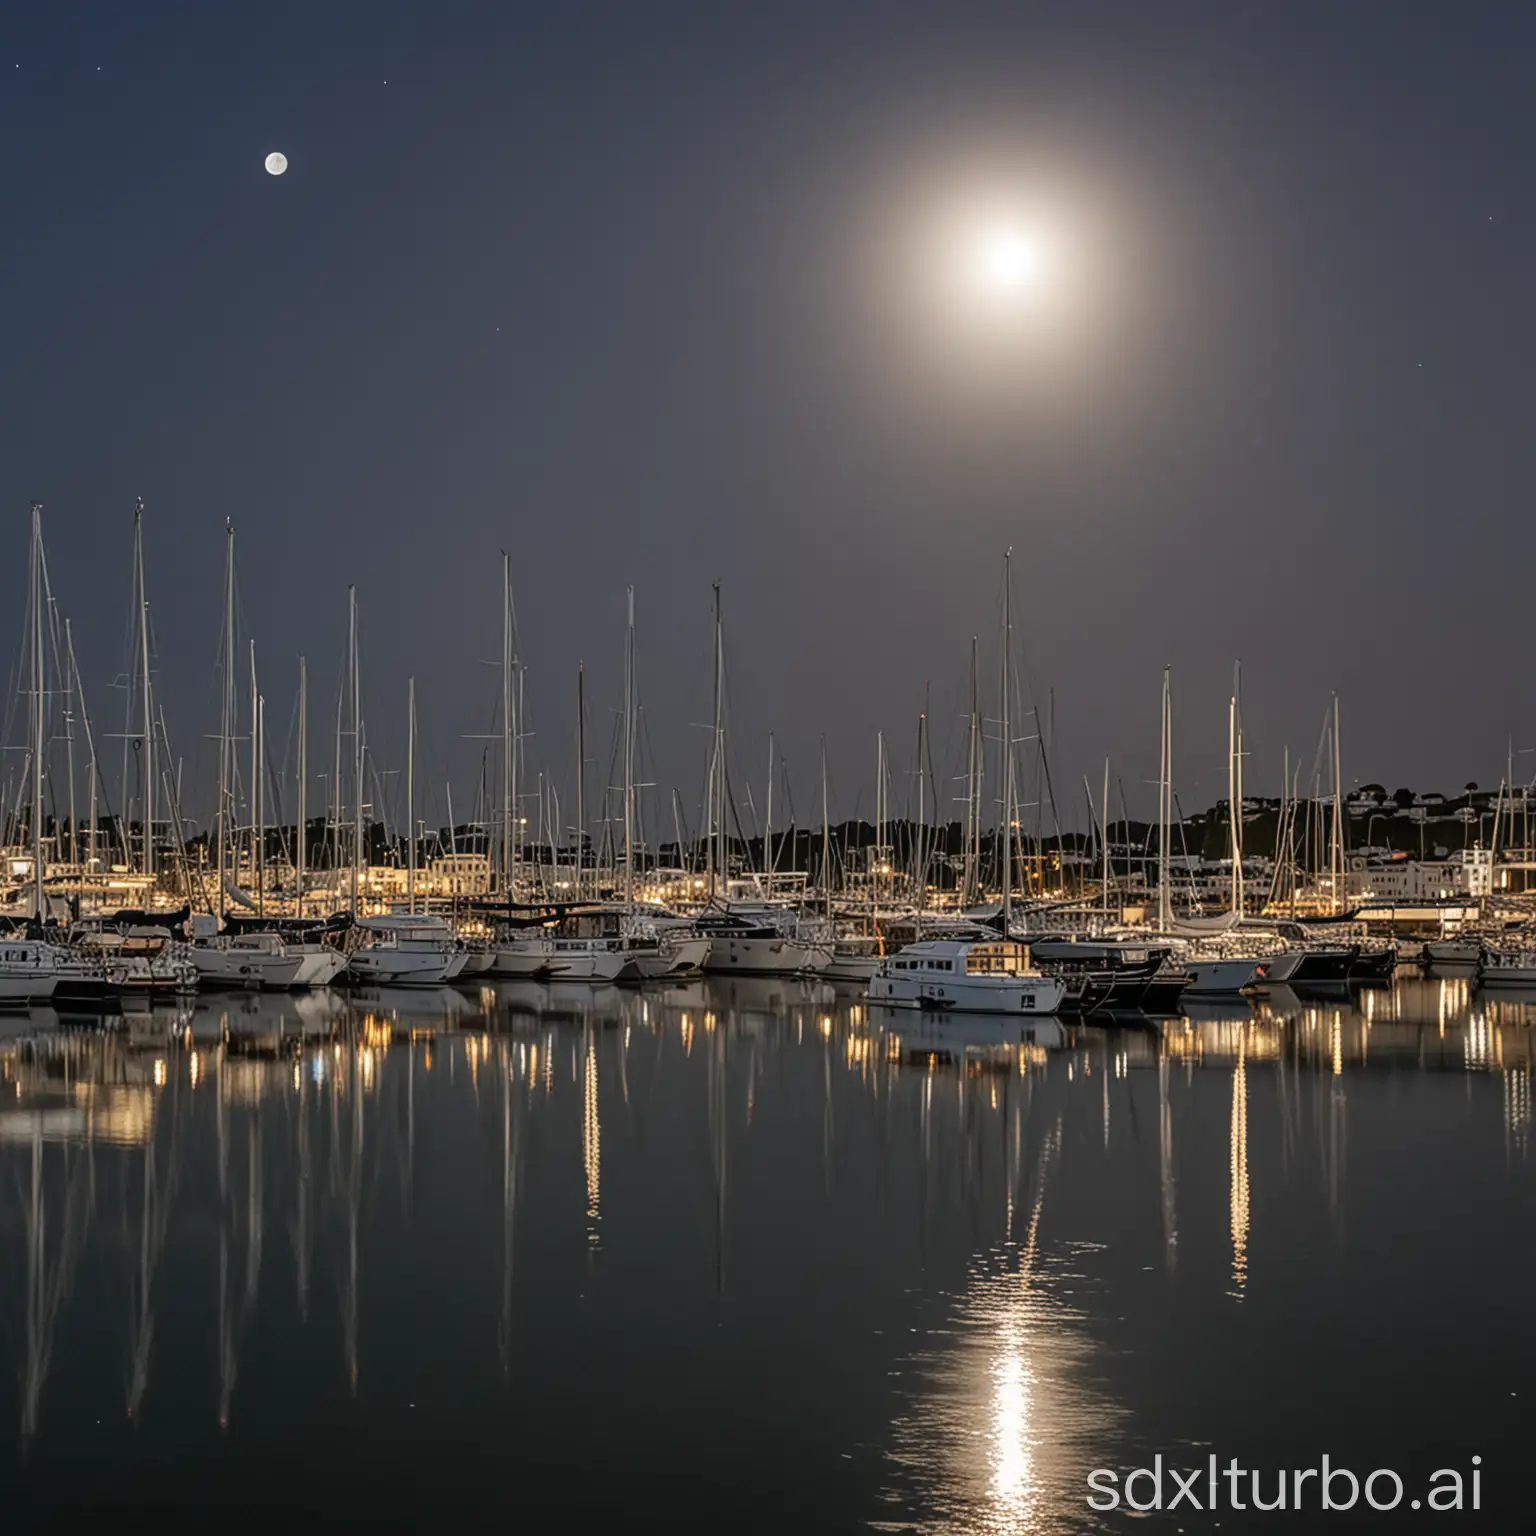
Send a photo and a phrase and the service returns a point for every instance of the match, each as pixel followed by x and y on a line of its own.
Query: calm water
pixel 748 1257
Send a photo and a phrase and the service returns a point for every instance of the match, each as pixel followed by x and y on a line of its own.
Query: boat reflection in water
pixel 939 1266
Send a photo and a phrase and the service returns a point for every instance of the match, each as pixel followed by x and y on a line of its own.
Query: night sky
pixel 664 294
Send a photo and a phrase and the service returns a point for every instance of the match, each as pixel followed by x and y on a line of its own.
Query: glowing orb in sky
pixel 1007 261
pixel 276 163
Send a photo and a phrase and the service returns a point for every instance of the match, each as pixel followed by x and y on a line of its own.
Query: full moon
pixel 277 163
pixel 1007 261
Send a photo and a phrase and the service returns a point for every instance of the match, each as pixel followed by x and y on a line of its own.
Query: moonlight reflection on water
pixel 1002 1417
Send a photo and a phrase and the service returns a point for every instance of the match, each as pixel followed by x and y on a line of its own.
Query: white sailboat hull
pixel 272 970
pixel 761 956
pixel 583 963
pixel 384 966
pixel 589 968
pixel 857 968
pixel 19 984
pixel 685 955
pixel 321 964
pixel 519 962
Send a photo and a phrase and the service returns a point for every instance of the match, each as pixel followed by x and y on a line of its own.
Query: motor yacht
pixel 403 951
pixel 966 976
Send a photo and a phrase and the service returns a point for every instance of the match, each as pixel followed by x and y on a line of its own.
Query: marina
pixel 766 769
pixel 358 898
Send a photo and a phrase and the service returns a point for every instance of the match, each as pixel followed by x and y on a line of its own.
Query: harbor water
pixel 748 1256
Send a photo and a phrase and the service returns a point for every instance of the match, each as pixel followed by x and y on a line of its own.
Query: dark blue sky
pixel 646 293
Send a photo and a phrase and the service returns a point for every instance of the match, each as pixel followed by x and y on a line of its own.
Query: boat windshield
pixel 1003 958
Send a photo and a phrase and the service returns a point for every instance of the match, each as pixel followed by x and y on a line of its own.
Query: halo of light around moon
pixel 276 163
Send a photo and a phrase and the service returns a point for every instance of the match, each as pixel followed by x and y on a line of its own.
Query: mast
pixel 1105 874
pixel 255 765
pixel 226 709
pixel 259 829
pixel 508 758
pixel 37 709
pixel 517 755
pixel 357 746
pixel 1232 846
pixel 1165 809
pixel 973 790
pixel 1237 768
pixel 90 743
pixel 148 767
pixel 1338 815
pixel 581 777
pixel 717 763
pixel 879 813
pixel 629 751
pixel 70 689
pixel 1007 743
pixel 299 848
pixel 410 796
pixel 826 835
pixel 333 809
pixel 922 814
pixel 768 826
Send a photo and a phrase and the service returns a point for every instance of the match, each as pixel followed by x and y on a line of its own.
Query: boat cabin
pixel 992 957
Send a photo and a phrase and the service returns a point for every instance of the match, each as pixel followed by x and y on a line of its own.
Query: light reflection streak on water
pixel 591 1138
pixel 1239 1175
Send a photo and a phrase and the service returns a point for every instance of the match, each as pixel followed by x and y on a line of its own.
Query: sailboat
pixel 748 937
pixel 627 940
pixel 856 950
pixel 29 969
pixel 236 953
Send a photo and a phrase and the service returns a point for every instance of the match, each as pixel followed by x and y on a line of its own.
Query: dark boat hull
pixel 1163 994
pixel 1374 965
pixel 1325 965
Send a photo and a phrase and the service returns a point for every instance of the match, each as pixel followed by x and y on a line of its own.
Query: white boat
pixel 144 962
pixel 259 960
pixel 855 957
pixel 607 944
pixel 764 939
pixel 479 958
pixel 574 959
pixel 685 950
pixel 521 956
pixel 403 952
pixel 1508 968
pixel 320 964
pixel 965 976
pixel 28 971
